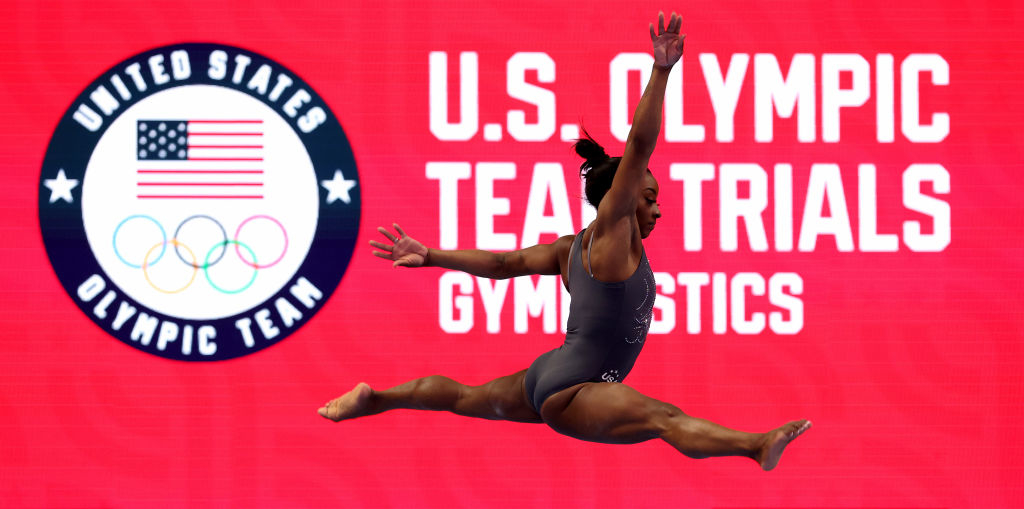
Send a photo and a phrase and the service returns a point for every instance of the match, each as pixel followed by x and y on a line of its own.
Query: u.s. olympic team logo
pixel 199 202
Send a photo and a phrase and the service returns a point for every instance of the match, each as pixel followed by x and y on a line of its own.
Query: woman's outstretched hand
pixel 405 251
pixel 668 44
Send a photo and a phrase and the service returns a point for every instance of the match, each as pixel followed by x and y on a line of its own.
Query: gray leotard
pixel 607 327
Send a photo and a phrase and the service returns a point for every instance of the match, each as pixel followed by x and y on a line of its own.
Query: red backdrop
pixel 907 359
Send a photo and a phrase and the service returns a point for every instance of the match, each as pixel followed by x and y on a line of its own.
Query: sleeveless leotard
pixel 605 332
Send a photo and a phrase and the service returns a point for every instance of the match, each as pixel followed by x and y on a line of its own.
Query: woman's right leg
pixel 500 399
pixel 618 414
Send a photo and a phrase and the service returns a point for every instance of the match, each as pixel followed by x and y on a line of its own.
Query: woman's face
pixel 647 209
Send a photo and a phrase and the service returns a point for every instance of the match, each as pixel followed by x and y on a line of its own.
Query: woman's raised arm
pixel 643 135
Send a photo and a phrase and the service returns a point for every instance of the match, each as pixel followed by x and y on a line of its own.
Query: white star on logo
pixel 60 187
pixel 338 188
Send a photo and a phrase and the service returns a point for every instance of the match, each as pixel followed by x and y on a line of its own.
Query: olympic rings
pixel 177 234
pixel 254 264
pixel 163 234
pixel 164 245
pixel 209 260
pixel 255 267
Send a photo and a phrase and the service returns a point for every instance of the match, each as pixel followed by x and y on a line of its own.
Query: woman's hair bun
pixel 590 151
pixel 598 169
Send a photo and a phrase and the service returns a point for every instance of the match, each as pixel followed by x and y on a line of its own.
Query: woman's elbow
pixel 503 268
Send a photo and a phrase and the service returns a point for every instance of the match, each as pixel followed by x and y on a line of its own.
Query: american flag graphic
pixel 199 159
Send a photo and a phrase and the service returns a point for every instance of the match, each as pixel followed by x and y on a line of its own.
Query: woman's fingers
pixel 387 234
pixel 399 229
pixel 675 22
pixel 381 245
pixel 382 255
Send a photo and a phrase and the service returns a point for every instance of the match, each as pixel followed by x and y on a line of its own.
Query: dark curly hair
pixel 597 170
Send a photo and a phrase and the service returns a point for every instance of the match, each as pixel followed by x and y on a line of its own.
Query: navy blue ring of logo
pixel 71 148
pixel 222 243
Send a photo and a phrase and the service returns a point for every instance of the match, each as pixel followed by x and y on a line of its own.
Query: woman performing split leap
pixel 577 388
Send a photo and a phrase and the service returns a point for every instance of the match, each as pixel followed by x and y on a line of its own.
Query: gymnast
pixel 577 388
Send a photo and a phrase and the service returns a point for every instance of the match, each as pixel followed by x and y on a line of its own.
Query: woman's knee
pixel 434 383
pixel 661 415
pixel 438 391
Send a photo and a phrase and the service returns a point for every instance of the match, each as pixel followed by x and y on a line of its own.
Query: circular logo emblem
pixel 199 202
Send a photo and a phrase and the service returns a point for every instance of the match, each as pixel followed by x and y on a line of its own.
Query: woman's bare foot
pixel 775 442
pixel 350 405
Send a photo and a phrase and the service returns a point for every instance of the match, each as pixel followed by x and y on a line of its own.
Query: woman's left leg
pixel 500 399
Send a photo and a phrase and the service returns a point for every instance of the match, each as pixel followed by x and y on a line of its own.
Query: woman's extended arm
pixel 408 252
pixel 643 135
